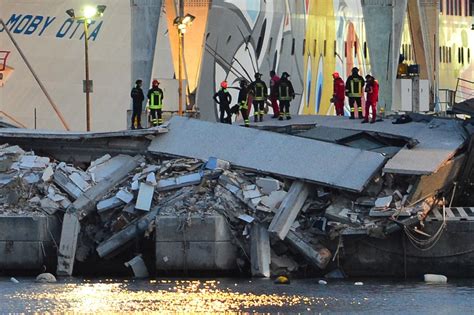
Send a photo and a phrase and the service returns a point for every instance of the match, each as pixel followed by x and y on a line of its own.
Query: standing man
pixel 243 102
pixel 223 98
pixel 372 89
pixel 274 93
pixel 260 94
pixel 155 103
pixel 286 93
pixel 338 95
pixel 137 97
pixel 354 89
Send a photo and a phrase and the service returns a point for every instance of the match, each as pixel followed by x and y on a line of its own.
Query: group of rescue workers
pixel 256 93
pixel 354 89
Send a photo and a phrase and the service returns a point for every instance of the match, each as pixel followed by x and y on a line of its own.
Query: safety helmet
pixel 138 82
pixel 335 75
pixel 355 70
pixel 243 83
pixel 155 82
pixel 258 75
pixel 368 77
pixel 224 84
pixel 285 75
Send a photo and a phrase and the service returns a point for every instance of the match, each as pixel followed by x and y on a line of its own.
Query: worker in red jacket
pixel 338 95
pixel 372 90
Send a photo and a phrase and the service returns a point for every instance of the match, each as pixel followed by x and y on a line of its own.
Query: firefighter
pixel 338 95
pixel 372 89
pixel 354 89
pixel 260 94
pixel 274 94
pixel 223 98
pixel 243 102
pixel 155 103
pixel 286 93
pixel 137 97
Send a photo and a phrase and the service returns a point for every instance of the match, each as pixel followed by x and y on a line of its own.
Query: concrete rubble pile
pixel 279 225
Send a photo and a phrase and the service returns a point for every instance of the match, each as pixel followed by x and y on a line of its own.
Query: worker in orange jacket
pixel 372 90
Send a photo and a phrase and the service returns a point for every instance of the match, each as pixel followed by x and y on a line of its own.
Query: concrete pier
pixel 197 243
pixel 28 243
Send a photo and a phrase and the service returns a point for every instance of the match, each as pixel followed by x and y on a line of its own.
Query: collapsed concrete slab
pixel 284 155
pixel 289 209
pixel 260 255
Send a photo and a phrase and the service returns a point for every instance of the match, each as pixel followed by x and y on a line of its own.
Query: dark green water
pixel 110 296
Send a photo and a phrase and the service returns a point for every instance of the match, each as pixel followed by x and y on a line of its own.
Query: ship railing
pixel 464 90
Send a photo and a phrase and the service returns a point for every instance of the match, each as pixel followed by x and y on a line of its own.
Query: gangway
pixel 464 97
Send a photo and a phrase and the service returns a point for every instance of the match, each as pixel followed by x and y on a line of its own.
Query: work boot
pixel 133 127
pixel 275 116
pixel 364 121
pixel 288 117
pixel 255 118
pixel 280 118
pixel 372 121
pixel 139 127
pixel 261 118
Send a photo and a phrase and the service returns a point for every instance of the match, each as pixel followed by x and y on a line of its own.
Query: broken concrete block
pixel 151 179
pixel 145 197
pixel 47 174
pixel 247 218
pixel 124 195
pixel 138 266
pixel 383 202
pixel 274 199
pixel 108 204
pixel 45 278
pixel 130 208
pixel 77 179
pixel 66 184
pixel 31 178
pixel 289 209
pixel 282 264
pixel 178 182
pixel 67 248
pixel 251 194
pixel 108 168
pixel 135 185
pixel 100 160
pixel 249 187
pixel 49 206
pixel 318 256
pixel 260 251
pixel 268 185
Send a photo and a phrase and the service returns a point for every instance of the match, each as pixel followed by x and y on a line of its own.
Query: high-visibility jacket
pixel 155 97
pixel 285 90
pixel 243 98
pixel 355 85
pixel 260 90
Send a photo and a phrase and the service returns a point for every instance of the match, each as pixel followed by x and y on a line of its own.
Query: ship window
pixel 293 47
pixel 324 48
pixel 304 46
pixel 335 48
pixel 469 55
pixel 345 49
pixel 365 50
pixel 229 38
pixel 440 57
pixel 315 44
pixel 270 44
pixel 449 55
pixel 281 45
pixel 355 49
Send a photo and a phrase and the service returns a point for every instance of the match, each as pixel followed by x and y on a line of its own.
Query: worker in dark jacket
pixel 338 95
pixel 243 102
pixel 155 103
pixel 354 90
pixel 286 93
pixel 137 98
pixel 223 98
pixel 260 94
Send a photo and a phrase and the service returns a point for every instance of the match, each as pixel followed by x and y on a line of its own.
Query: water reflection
pixel 159 296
